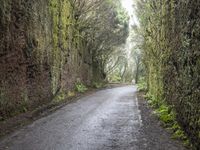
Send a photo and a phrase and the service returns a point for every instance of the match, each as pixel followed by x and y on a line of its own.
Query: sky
pixel 129 6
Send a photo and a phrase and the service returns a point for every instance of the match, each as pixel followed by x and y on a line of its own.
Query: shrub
pixel 142 85
pixel 98 85
pixel 168 117
pixel 80 87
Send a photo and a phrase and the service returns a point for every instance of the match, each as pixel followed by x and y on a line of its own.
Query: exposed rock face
pixel 41 52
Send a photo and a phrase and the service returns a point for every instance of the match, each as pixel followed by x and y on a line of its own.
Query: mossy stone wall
pixel 172 59
pixel 41 53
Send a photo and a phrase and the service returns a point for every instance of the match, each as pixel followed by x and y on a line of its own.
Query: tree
pixel 104 26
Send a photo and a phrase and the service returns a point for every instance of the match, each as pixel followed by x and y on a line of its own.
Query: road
pixel 109 119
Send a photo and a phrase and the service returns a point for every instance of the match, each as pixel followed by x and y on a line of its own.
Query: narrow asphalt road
pixel 110 119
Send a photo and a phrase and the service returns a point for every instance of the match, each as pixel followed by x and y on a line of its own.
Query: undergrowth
pixel 98 85
pixel 80 87
pixel 142 86
pixel 167 116
pixel 62 96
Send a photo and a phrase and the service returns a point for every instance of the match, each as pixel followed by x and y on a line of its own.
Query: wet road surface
pixel 106 120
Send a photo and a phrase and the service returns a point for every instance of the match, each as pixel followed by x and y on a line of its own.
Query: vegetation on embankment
pixel 48 46
pixel 167 116
pixel 170 31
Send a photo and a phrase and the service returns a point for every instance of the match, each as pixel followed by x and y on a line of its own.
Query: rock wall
pixel 41 53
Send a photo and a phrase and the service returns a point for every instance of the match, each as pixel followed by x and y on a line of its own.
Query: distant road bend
pixel 109 119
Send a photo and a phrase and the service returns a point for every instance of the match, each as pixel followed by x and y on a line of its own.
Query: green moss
pixel 60 12
pixel 64 40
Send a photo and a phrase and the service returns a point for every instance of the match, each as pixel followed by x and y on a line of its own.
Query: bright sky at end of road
pixel 129 6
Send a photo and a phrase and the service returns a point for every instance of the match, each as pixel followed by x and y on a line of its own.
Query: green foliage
pixel 115 78
pixel 104 36
pixel 62 96
pixel 152 100
pixel 98 85
pixel 142 85
pixel 70 93
pixel 167 116
pixel 80 87
pixel 178 133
